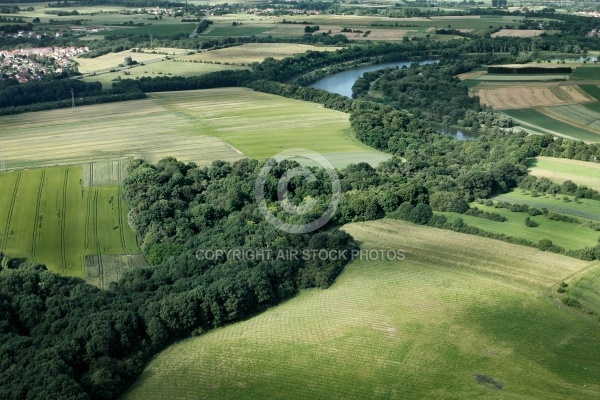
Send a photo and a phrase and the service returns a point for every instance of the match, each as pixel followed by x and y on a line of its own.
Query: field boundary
pixel 565 307
pixel 63 214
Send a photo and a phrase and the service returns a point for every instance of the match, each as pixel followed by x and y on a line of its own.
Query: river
pixel 341 83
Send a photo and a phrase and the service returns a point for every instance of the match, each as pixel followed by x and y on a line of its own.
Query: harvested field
pixel 507 96
pixel 101 270
pixel 518 33
pixel 253 52
pixel 388 34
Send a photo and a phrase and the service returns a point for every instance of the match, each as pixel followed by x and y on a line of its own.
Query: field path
pixel 37 221
pixel 10 211
pixel 63 221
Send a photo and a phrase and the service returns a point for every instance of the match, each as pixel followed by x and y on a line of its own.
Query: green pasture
pixel 561 169
pixel 443 323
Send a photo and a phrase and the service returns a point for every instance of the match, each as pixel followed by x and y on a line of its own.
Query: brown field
pixel 471 75
pixel 518 33
pixel 389 34
pixel 505 96
pixel 253 52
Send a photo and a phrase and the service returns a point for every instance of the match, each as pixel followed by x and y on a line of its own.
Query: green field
pixel 444 323
pixel 562 169
pixel 592 90
pixel 48 217
pixel 567 235
pixel 533 117
pixel 583 208
pixel 585 73
pixel 583 287
pixel 520 78
pixel 194 126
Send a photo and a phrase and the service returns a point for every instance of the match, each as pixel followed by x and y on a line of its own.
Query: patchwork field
pixel 253 52
pixel 443 323
pixel 49 217
pixel 195 126
pixel 562 169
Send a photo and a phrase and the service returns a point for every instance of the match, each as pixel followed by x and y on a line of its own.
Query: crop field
pixel 48 217
pixel 443 323
pixel 583 208
pixel 574 114
pixel 524 33
pixel 562 169
pixel 112 60
pixel 591 90
pixel 194 126
pixel 154 69
pixel 104 173
pixel 568 235
pixel 261 125
pixel 525 95
pixel 541 122
pixel 509 78
pixel 253 52
pixel 588 72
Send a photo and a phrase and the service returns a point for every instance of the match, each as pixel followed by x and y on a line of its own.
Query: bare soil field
pixel 504 96
pixel 518 33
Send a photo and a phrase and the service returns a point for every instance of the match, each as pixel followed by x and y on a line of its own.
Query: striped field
pixel 443 323
pixel 47 216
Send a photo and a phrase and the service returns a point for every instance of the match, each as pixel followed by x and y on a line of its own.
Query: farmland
pixel 518 33
pixel 252 52
pixel 112 60
pixel 51 219
pixel 561 169
pixel 444 322
pixel 199 126
pixel 503 96
pixel 540 122
pixel 583 287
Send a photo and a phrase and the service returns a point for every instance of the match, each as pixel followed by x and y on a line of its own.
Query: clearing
pixel 443 323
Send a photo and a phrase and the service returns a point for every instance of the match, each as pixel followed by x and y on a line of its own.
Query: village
pixel 25 65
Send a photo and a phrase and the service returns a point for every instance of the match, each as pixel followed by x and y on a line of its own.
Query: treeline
pixel 529 70
pixel 46 91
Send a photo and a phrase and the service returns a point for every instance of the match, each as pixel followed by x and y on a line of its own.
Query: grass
pixel 583 287
pixel 568 235
pixel 439 324
pixel 112 60
pixel 53 220
pixel 575 114
pixel 562 169
pixel 199 126
pixel 584 208
pixel 533 117
pixel 520 78
pixel 169 28
pixel 235 31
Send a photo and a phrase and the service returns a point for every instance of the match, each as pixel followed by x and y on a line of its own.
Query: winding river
pixel 341 83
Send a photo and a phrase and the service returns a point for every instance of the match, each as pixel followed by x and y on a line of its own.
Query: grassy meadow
pixel 443 323
pixel 583 287
pixel 49 217
pixel 562 169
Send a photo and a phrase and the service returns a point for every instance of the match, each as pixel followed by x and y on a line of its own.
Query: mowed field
pixel 112 60
pixel 253 52
pixel 443 323
pixel 562 169
pixel 47 216
pixel 194 126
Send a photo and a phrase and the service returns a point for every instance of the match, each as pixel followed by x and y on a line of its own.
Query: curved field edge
pixel 562 169
pixel 443 322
